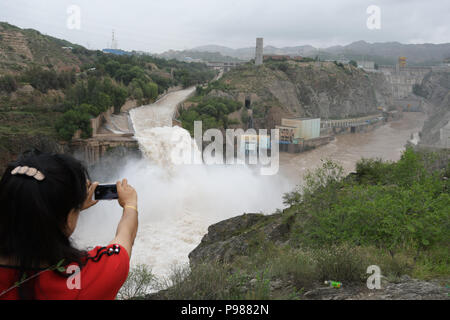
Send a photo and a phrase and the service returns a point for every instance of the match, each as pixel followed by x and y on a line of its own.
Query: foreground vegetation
pixel 393 215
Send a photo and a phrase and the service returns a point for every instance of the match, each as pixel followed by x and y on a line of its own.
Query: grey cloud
pixel 159 25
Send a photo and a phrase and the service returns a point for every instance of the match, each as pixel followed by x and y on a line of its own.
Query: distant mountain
pixel 214 48
pixel 381 53
pixel 416 54
pixel 249 52
pixel 202 55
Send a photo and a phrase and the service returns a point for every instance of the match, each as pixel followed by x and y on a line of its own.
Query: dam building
pixel 299 128
pixel 300 134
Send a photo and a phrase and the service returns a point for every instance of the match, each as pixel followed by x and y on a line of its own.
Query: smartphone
pixel 106 192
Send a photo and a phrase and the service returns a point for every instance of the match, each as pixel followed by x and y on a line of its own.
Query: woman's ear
pixel 72 220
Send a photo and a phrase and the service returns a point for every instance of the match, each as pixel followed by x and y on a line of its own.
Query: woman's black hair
pixel 33 214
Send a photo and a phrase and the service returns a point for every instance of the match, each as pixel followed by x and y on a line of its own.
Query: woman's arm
pixel 127 228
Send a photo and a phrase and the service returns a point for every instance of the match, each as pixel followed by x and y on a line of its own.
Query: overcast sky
pixel 159 25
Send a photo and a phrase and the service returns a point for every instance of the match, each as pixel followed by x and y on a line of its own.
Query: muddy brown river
pixel 386 142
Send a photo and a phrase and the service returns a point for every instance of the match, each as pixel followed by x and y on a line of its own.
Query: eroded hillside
pixel 305 89
pixel 20 48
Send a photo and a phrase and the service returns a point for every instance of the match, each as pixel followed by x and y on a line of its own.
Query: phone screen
pixel 106 192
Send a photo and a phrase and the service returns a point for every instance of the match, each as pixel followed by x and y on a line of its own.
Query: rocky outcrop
pixel 235 237
pixel 404 288
pixel 435 88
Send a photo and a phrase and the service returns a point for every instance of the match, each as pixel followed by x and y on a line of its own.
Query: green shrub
pixel 297 266
pixel 341 263
pixel 204 282
pixel 139 282
pixel 390 205
pixel 373 171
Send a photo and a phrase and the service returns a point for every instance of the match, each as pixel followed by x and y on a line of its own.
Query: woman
pixel 42 196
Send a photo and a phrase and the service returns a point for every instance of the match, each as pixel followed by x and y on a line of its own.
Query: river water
pixel 386 142
pixel 177 203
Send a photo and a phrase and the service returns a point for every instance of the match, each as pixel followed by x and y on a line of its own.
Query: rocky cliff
pixel 305 89
pixel 435 88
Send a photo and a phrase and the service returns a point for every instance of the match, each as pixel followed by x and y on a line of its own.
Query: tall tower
pixel 114 44
pixel 259 51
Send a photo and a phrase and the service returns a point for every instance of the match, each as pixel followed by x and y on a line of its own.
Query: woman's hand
pixel 127 194
pixel 89 202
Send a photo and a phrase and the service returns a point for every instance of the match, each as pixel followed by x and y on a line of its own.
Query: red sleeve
pixel 104 273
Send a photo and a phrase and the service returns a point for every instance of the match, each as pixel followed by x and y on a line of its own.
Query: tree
pixel 138 94
pixel 151 90
pixel 119 97
pixel 102 101
pixel 112 67
pixel 73 120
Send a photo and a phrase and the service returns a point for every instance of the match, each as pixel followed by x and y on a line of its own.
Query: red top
pixel 100 278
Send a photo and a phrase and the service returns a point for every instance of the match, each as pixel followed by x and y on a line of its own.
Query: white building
pixel 303 128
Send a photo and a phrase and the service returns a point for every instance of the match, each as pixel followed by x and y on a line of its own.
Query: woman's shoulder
pixel 105 271
pixel 109 259
pixel 113 250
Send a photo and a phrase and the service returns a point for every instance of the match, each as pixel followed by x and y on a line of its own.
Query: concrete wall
pixel 92 150
pixel 351 129
pixel 402 80
pixel 350 122
pixel 304 145
pixel 98 121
